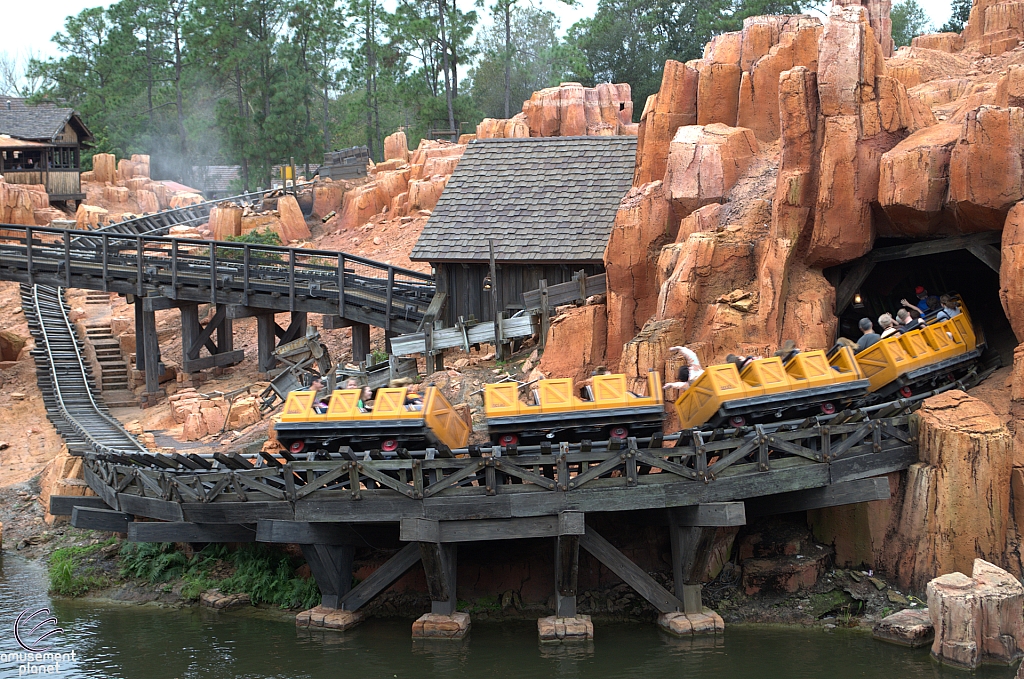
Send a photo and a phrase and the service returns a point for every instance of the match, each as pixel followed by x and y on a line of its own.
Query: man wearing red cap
pixel 922 300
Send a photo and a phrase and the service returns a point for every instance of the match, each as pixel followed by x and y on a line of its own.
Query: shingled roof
pixel 42 122
pixel 542 199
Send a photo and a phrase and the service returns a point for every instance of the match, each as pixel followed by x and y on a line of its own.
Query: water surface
pixel 148 642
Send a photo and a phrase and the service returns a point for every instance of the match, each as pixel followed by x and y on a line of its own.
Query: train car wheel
pixel 389 445
pixel 828 408
pixel 737 420
pixel 297 446
pixel 906 392
pixel 508 440
pixel 618 433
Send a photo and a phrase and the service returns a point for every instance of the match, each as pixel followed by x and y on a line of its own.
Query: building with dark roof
pixel 548 203
pixel 41 144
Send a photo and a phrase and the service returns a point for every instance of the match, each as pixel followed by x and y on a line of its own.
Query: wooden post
pixel 360 341
pixel 225 337
pixel 439 563
pixel 152 346
pixel 499 349
pixel 691 551
pixel 567 567
pixel 140 336
pixel 331 566
pixel 545 315
pixel 266 340
pixel 190 329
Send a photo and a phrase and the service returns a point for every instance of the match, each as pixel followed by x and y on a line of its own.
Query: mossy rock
pixel 826 602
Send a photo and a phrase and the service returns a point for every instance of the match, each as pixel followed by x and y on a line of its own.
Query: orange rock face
pixel 718 94
pixel 704 163
pixel 944 42
pixel 396 147
pixel 960 488
pixel 579 339
pixel 985 169
pixel 673 106
pixel 642 226
pixel 327 198
pixel 914 181
pixel 293 224
pixel 878 16
pixel 104 167
pixel 568 110
pixel 1011 274
pixel 18 203
pixel 225 221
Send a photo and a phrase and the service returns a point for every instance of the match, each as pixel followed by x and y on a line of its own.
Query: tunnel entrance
pixel 883 277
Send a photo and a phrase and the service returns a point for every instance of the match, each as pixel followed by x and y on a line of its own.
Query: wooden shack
pixel 42 144
pixel 548 204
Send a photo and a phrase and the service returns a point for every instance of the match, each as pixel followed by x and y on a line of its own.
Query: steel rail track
pixel 65 378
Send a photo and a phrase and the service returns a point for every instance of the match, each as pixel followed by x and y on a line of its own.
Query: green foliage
pixel 257 237
pixel 268 576
pixel 379 356
pixel 908 21
pixel 961 12
pixel 152 561
pixel 70 574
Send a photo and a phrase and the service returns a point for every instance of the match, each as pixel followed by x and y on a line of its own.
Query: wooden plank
pixel 429 530
pixel 848 288
pixel 331 566
pixel 564 293
pixel 183 531
pixel 991 256
pixel 61 505
pixel 710 514
pixel 304 532
pixel 100 519
pixel 691 552
pixel 153 508
pixel 567 568
pixel 108 494
pixel 931 247
pixel 439 565
pixel 631 574
pixel 381 578
pixel 235 512
pixel 848 492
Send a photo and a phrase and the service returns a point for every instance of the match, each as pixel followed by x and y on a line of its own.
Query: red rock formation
pixel 225 221
pixel 914 182
pixel 396 147
pixel 1011 275
pixel 994 26
pixel 293 224
pixel 718 93
pixel 943 42
pixel 327 197
pixel 881 24
pixel 673 106
pixel 18 203
pixel 642 226
pixel 704 163
pixel 568 110
pixel 104 168
pixel 986 176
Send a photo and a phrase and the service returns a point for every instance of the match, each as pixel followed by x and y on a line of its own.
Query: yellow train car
pixel 390 425
pixel 609 410
pixel 770 389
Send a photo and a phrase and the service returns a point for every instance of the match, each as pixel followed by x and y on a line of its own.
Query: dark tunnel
pixel 956 271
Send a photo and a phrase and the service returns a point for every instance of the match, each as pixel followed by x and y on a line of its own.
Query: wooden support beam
pixel 991 256
pixel 140 336
pixel 296 327
pixel 61 505
pixel 567 568
pixel 691 552
pixel 439 564
pixel 844 493
pixel 152 351
pixel 331 566
pixel 226 337
pixel 851 284
pixel 191 365
pixel 265 341
pixel 183 531
pixel 631 574
pixel 932 247
pixel 381 578
pixel 335 322
pixel 304 532
pixel 162 303
pixel 204 335
pixel 360 341
pixel 710 514
pixel 478 530
pixel 100 519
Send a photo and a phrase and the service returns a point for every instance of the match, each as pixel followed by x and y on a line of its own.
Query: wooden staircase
pixel 113 382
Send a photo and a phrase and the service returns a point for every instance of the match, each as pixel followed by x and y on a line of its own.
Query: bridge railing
pixel 265 276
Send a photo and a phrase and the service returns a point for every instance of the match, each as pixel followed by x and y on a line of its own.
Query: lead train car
pixel 388 426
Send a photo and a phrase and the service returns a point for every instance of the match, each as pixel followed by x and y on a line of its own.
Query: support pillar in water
pixel 443 621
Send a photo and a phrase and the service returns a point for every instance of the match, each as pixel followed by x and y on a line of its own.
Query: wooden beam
pixel 992 257
pixel 191 365
pixel 61 505
pixel 429 530
pixel 932 247
pixel 848 288
pixel 360 341
pixel 691 552
pixel 710 514
pixel 847 492
pixel 304 532
pixel 183 531
pixel 100 519
pixel 331 566
pixel 567 568
pixel 439 564
pixel 199 340
pixel 265 341
pixel 631 574
pixel 381 578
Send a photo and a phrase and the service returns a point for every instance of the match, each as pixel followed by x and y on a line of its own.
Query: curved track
pixel 65 379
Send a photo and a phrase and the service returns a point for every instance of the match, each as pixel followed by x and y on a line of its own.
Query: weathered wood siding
pixel 466 296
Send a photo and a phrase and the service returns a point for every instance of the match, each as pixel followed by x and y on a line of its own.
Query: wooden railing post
pixel 28 253
pixel 545 316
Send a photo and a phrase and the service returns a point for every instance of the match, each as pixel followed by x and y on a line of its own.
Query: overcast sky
pixel 31 24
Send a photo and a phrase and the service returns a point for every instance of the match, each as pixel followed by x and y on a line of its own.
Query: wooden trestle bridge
pixel 327 501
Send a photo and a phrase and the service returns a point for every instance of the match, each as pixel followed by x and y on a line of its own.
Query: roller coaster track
pixel 65 378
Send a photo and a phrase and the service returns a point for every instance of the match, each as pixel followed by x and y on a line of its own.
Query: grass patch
pixel 268 576
pixel 73 571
